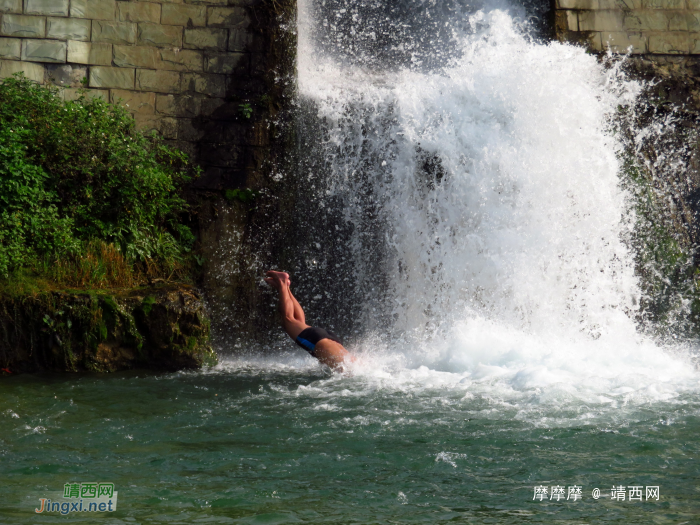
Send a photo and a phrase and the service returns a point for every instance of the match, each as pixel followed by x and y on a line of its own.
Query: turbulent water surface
pixel 284 442
pixel 465 230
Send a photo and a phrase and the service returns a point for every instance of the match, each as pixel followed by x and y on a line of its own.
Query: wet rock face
pixel 161 328
pixel 176 329
pixel 676 79
pixel 236 256
pixel 671 155
pixel 661 169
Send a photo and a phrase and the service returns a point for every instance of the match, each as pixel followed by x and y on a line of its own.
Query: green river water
pixel 274 443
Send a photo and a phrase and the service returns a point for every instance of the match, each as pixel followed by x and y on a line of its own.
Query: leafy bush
pixel 76 177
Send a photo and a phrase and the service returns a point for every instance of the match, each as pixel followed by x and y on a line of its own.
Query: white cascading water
pixel 505 258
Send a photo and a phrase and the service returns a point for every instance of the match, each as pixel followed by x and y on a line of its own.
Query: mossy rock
pixel 162 328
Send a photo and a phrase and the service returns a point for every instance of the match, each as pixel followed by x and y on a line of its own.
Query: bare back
pixel 331 353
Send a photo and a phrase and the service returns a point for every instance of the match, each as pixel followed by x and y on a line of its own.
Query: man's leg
pixel 290 311
pixel 298 310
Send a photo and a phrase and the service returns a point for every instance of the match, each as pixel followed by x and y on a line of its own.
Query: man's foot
pixel 277 279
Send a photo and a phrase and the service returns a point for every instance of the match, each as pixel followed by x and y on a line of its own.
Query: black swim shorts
pixel 308 338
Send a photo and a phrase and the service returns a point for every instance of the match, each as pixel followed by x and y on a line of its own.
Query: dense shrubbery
pixel 85 199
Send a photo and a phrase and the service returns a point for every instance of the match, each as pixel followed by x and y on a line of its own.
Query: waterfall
pixel 463 204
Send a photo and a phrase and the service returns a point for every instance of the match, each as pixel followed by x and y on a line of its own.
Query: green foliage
pixel 73 173
pixel 246 110
pixel 30 221
pixel 147 304
pixel 265 100
pixel 244 195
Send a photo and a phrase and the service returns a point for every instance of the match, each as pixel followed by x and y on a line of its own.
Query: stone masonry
pixel 661 27
pixel 188 69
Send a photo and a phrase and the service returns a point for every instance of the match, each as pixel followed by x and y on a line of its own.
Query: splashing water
pixel 482 206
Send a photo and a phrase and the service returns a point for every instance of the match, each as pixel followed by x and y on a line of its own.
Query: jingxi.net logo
pixel 81 497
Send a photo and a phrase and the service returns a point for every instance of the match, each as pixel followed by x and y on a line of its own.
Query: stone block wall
pixel 663 27
pixel 182 67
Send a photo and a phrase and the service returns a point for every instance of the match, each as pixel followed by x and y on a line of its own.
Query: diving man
pixel 321 344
